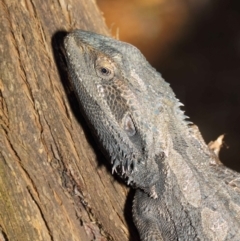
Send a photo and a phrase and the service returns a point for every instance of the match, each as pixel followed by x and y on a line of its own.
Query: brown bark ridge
pixel 51 184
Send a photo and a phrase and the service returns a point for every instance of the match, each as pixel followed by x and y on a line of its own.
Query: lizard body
pixel 183 193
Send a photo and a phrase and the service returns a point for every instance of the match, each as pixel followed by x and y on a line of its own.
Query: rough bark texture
pixel 52 187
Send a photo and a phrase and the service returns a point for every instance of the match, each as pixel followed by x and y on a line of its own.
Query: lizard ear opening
pixel 129 125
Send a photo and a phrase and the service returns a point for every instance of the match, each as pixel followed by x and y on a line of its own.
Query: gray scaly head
pixel 126 102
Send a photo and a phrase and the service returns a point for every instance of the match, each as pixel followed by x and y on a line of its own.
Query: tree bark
pixel 53 185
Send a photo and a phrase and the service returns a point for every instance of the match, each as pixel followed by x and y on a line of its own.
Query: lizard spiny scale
pixel 136 117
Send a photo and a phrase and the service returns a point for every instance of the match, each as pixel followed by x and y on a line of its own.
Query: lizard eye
pixel 104 69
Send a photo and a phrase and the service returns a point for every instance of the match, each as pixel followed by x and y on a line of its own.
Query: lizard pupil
pixel 105 71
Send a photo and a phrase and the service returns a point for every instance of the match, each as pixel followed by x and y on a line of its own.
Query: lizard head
pixel 125 101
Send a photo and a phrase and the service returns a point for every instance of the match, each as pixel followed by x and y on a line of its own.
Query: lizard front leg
pixel 152 219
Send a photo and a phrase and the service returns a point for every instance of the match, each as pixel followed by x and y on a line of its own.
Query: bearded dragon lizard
pixel 182 192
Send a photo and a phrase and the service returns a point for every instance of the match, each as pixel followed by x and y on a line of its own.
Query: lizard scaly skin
pixel 182 193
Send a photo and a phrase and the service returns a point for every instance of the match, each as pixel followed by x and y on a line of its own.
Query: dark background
pixel 196 47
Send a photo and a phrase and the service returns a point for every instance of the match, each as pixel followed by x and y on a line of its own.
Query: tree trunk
pixel 53 185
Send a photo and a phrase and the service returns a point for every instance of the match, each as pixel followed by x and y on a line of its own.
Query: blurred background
pixel 195 44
